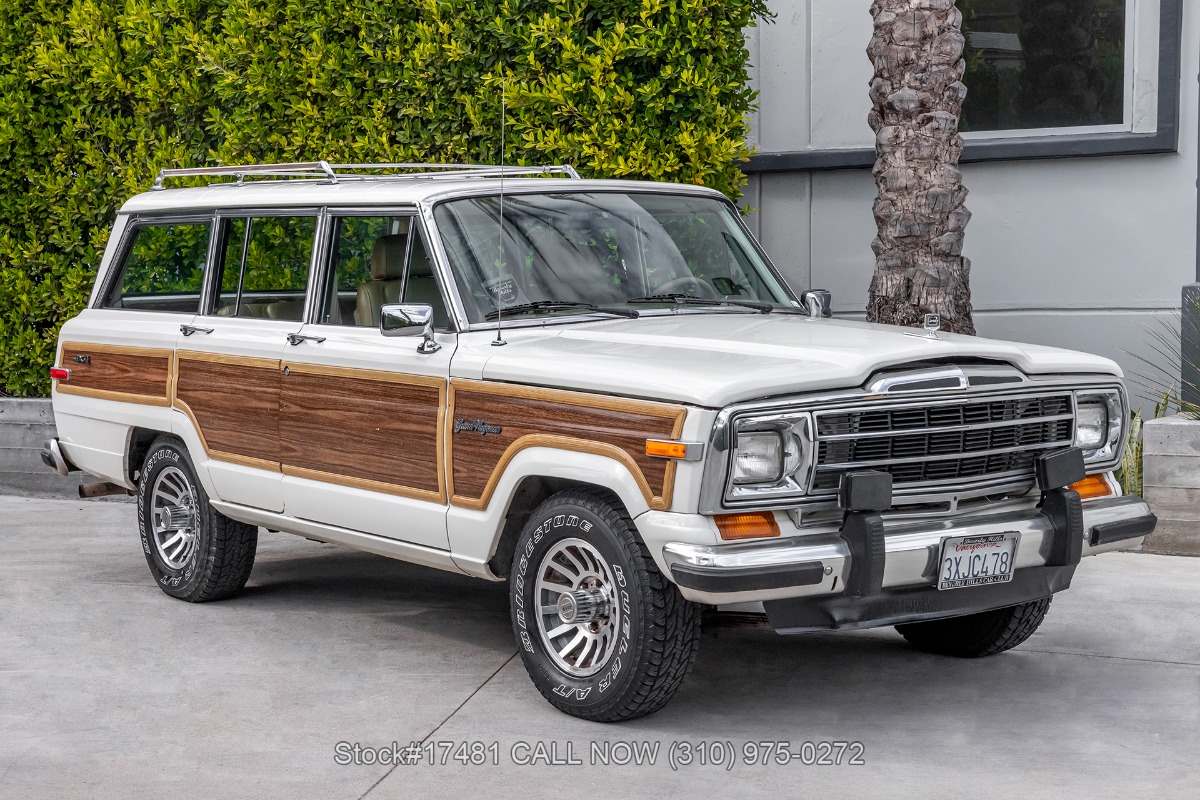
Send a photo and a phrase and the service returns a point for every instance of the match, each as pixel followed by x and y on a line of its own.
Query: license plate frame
pixel 977 560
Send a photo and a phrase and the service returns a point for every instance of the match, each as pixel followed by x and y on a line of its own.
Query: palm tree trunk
pixel 917 96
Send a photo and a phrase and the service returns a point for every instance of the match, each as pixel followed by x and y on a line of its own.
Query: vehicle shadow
pixel 314 574
pixel 863 684
pixel 841 685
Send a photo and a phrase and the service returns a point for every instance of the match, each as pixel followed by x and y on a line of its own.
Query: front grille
pixel 936 444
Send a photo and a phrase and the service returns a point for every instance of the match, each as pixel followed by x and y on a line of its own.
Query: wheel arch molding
pixel 531 476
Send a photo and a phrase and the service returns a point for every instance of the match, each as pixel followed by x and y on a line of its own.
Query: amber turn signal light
pixel 1092 486
pixel 60 374
pixel 664 449
pixel 747 526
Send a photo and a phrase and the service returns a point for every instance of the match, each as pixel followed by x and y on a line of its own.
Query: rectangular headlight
pixel 758 458
pixel 1091 424
pixel 770 457
pixel 1099 424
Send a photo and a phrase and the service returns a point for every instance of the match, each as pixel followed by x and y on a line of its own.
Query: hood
pixel 713 360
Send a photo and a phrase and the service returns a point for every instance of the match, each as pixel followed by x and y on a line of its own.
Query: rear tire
pixel 633 637
pixel 195 553
pixel 976 635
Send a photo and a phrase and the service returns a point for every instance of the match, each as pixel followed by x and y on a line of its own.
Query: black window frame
pixel 133 224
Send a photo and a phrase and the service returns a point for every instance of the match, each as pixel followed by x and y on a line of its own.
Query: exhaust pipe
pixel 90 490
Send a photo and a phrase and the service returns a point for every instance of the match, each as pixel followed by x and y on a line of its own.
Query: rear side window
pixel 265 263
pixel 163 269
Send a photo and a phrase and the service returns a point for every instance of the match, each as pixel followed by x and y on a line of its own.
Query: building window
pixel 1036 64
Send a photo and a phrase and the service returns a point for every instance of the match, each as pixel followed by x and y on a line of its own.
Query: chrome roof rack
pixel 325 172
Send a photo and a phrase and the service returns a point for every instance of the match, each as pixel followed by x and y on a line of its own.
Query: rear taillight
pixel 60 374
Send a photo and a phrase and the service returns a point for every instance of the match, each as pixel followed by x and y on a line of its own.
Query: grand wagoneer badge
pixel 476 426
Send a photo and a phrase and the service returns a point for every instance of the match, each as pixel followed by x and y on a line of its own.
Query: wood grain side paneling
pixel 115 372
pixel 530 417
pixel 372 430
pixel 234 403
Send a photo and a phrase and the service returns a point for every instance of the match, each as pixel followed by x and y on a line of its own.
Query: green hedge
pixel 97 95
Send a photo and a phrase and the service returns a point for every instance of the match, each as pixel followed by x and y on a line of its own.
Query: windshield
pixel 566 252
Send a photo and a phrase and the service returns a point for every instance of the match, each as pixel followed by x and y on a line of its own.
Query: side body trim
pixel 122 373
pixel 220 384
pixel 367 429
pixel 613 427
pixel 311 429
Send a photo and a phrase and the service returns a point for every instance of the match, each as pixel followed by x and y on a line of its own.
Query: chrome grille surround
pixel 938 445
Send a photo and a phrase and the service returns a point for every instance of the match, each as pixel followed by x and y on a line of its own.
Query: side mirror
pixel 409 319
pixel 819 303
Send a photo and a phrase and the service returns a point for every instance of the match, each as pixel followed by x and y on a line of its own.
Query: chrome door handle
pixel 188 330
pixel 300 338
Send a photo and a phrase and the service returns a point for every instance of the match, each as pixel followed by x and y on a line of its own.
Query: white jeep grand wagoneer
pixel 598 391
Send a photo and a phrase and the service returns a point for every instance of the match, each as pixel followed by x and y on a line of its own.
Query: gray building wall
pixel 1084 253
pixel 25 425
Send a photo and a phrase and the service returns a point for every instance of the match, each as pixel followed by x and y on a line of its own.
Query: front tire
pixel 195 553
pixel 976 635
pixel 603 634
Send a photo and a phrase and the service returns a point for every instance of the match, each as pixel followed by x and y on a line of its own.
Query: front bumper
pixel 802 580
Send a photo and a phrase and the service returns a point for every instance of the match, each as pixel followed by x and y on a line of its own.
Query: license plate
pixel 977 560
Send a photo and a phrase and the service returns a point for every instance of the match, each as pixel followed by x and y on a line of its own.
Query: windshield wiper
pixel 688 300
pixel 552 305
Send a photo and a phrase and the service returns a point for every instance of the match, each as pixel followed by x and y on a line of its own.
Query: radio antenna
pixel 499 340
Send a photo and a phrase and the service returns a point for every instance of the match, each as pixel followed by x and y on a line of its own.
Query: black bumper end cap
pixel 748 579
pixel 1109 532
pixel 52 456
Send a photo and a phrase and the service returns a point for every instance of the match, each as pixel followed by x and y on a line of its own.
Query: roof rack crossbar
pixel 333 173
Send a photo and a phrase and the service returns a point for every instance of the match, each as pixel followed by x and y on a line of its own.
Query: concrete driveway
pixel 108 688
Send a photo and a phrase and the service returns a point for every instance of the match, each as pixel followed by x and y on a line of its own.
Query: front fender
pixel 474 534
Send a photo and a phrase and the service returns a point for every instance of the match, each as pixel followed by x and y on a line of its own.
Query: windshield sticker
pixel 503 290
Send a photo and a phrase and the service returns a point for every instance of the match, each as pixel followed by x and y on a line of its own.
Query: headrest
pixel 387 257
pixel 420 266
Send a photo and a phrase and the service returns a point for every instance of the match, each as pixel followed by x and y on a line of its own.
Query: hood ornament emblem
pixel 932 324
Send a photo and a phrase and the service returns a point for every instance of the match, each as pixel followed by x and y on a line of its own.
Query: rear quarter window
pixel 162 268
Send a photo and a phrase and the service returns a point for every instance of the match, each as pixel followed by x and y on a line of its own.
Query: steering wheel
pixel 698 287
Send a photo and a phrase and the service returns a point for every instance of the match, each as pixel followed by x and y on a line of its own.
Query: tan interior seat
pixel 387 273
pixel 254 310
pixel 291 310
